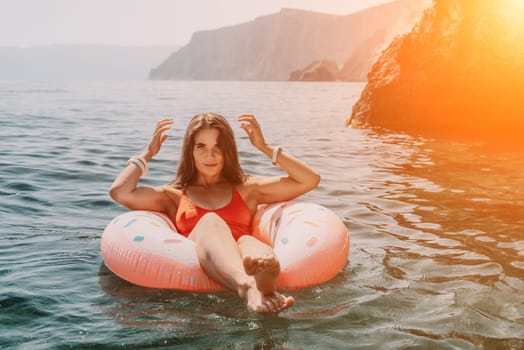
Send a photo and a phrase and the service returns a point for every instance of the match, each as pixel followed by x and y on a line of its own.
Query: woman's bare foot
pixel 256 301
pixel 265 270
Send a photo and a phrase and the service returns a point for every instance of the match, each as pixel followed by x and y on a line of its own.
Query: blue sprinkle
pixel 138 238
pixel 284 241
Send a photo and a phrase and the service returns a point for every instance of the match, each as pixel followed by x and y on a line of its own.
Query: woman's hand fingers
pixel 161 127
pixel 163 124
pixel 250 118
pixel 249 123
pixel 159 136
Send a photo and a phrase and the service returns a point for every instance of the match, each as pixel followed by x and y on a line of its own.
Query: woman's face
pixel 207 154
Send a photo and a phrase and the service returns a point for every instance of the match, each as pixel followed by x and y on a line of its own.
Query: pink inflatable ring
pixel 310 241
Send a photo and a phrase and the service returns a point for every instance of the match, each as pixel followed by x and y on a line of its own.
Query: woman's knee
pixel 212 220
pixel 210 225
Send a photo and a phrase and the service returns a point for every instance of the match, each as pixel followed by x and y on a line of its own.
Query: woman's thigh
pixel 211 229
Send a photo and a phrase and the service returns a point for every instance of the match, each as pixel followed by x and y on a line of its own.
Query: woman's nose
pixel 210 153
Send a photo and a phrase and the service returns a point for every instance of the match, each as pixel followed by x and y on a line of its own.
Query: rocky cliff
pixel 271 47
pixel 320 70
pixel 459 71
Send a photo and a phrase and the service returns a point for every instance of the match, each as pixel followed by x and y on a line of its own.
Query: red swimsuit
pixel 236 214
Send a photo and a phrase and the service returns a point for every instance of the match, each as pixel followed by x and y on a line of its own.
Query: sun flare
pixel 512 11
pixel 517 4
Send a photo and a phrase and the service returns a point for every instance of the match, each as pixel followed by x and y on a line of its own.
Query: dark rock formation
pixel 459 71
pixel 321 70
pixel 272 46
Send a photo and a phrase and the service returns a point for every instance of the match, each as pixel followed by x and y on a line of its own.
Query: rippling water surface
pixel 437 227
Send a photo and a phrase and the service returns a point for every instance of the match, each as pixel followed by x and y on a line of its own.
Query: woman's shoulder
pixel 172 192
pixel 251 185
pixel 254 181
pixel 171 189
pixel 250 181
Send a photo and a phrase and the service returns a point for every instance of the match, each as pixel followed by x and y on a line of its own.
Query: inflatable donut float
pixel 143 247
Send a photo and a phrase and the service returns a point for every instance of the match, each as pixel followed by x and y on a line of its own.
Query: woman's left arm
pixel 301 178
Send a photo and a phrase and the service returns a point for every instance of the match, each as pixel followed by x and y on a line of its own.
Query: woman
pixel 212 202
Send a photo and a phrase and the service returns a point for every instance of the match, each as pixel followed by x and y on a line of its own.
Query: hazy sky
pixel 139 22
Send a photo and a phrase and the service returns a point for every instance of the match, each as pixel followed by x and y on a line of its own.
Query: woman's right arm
pixel 125 189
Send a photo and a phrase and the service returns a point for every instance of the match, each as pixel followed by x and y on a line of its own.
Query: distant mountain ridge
pixel 271 47
pixel 80 62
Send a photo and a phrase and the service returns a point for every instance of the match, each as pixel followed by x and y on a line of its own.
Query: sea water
pixel 436 226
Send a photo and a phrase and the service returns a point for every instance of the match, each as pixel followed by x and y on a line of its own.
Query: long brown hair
pixel 187 172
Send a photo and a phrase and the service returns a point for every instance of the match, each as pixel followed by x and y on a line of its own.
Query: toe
pixel 249 265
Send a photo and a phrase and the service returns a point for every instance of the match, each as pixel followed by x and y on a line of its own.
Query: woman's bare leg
pixel 219 255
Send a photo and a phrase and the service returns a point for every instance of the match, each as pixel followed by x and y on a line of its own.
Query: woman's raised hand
pixel 158 137
pixel 249 123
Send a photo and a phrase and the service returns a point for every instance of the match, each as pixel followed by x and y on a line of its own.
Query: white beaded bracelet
pixel 141 163
pixel 276 152
pixel 144 162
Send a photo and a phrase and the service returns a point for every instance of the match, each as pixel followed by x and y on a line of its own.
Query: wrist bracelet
pixel 144 162
pixel 276 152
pixel 141 163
